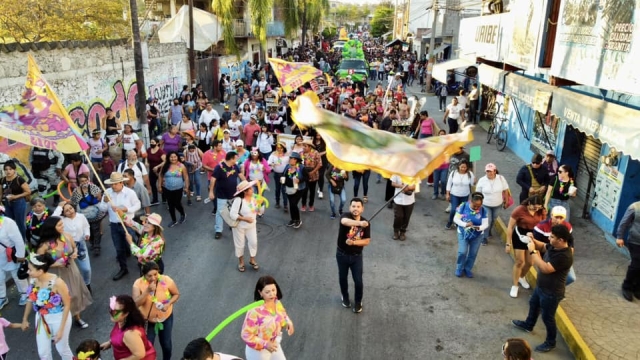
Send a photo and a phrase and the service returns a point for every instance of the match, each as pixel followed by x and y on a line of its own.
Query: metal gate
pixel 587 171
pixel 206 74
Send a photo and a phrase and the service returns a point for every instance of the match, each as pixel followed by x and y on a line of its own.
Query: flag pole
pixel 387 203
pixel 104 190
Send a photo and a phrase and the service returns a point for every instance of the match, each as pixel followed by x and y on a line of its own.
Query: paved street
pixel 414 306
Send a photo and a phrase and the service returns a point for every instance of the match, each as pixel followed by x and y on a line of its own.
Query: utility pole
pixel 395 21
pixel 432 44
pixel 141 105
pixel 192 53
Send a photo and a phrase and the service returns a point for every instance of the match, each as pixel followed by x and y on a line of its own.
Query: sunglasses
pixel 115 313
pixel 536 162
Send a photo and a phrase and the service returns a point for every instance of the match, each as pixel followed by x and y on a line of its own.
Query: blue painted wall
pixel 630 192
pixel 516 141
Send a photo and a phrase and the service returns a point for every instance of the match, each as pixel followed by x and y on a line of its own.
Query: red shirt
pixel 108 166
pixel 211 159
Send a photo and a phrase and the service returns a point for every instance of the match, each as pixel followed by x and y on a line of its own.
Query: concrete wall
pixel 89 79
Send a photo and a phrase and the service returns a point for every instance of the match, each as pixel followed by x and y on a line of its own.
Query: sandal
pixel 365 199
pixel 241 268
pixel 254 266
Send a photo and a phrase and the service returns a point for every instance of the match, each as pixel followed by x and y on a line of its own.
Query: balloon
pixel 50 194
pixel 232 317
pixel 60 190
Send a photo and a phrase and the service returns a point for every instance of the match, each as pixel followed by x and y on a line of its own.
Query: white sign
pixel 485 37
pixel 290 139
pixel 608 187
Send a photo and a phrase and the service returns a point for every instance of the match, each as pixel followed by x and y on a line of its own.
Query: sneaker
pixel 218 235
pixel 346 304
pixel 3 302
pixel 173 224
pixel 448 227
pixel 448 209
pixel 340 213
pixel 443 197
pixel 469 274
pixel 484 242
pixel 312 208
pixel 357 308
pixel 514 292
pixel 458 272
pixel 433 197
pixel 320 195
pixel 82 324
pixel 333 216
pixel 297 224
pixel 23 300
pixel 291 223
pixel 521 325
pixel 183 218
pixel 524 283
pixel 189 203
pixel 545 347
pixel 303 208
pixel 277 206
pixel 155 203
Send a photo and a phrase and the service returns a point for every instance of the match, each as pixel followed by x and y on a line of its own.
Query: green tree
pixel 382 21
pixel 55 20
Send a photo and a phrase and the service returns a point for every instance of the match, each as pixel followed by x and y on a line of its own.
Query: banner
pixel 527 16
pixel 40 120
pixel 293 75
pixel 354 146
pixel 594 44
pixel 486 36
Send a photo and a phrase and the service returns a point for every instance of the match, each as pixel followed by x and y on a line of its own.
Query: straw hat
pixel 283 144
pixel 115 178
pixel 153 219
pixel 309 142
pixel 244 185
pixel 190 133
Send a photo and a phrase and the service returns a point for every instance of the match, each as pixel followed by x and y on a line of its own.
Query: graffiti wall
pixel 90 80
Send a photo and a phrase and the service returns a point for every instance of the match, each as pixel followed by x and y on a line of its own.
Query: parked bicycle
pixel 497 128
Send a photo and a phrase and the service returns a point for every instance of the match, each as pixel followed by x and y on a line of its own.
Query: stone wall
pixel 89 77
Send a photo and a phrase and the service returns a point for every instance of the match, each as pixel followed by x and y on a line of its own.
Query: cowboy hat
pixel 308 142
pixel 190 133
pixel 153 219
pixel 244 185
pixel 115 178
pixel 283 144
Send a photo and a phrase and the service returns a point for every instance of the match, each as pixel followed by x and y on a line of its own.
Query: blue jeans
pixel 545 304
pixel 467 252
pixel 365 182
pixel 343 199
pixel 492 213
pixel 83 262
pixel 219 222
pixel 120 243
pixel 280 190
pixel 353 262
pixel 164 336
pixel 16 211
pixel 455 201
pixel 440 181
pixel 194 182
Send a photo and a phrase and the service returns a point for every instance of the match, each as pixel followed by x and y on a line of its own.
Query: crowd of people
pixel 239 153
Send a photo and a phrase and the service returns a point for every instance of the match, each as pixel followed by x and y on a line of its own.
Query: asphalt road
pixel 414 306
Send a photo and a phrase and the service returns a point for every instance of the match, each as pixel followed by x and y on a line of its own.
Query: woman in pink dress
pixel 128 338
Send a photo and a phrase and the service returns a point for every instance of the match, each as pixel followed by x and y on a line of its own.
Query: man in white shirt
pixel 139 169
pixel 452 115
pixel 118 200
pixel 209 114
pixel 9 237
pixel 404 200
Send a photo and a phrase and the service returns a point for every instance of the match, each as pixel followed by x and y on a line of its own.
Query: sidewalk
pixel 599 323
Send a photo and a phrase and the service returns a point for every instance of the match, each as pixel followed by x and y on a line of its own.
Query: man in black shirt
pixel 223 184
pixel 387 123
pixel 354 234
pixel 533 178
pixel 552 276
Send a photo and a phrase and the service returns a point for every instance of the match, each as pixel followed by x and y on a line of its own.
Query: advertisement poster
pixel 594 44
pixel 608 186
pixel 527 18
pixel 545 133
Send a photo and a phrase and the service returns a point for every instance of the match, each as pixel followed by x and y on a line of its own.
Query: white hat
pixel 559 211
pixel 239 143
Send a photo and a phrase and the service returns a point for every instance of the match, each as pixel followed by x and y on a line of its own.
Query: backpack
pixel 121 168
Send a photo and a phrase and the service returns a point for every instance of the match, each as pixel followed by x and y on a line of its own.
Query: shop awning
pixel 535 94
pixel 492 77
pixel 440 49
pixel 613 124
pixel 440 70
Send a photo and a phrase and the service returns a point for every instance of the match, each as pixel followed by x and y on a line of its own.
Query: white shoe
pixel 448 209
pixel 320 195
pixel 524 283
pixel 514 292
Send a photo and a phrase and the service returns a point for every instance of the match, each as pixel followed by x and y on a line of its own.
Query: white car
pixel 338 45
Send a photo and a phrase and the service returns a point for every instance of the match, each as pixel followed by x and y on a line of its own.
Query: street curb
pixel 574 340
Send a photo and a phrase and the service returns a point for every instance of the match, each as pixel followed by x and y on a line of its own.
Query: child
pixel 4 348
pixel 88 350
pixel 107 166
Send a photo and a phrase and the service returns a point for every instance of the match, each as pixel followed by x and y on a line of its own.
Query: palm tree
pixel 297 13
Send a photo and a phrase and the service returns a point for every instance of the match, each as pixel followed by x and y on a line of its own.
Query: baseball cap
pixel 559 211
pixel 550 152
pixel 490 167
pixel 239 143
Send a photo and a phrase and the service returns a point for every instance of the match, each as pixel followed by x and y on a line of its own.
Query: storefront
pixel 602 141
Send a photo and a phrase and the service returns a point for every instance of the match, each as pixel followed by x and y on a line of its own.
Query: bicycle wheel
pixel 501 139
pixel 490 132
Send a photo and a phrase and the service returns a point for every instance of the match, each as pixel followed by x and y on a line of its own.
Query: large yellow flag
pixel 40 120
pixel 352 145
pixel 293 75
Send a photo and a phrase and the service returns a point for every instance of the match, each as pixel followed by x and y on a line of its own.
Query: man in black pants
pixel 631 222
pixel 353 236
pixel 552 276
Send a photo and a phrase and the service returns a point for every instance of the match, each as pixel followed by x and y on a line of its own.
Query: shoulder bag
pixel 225 213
